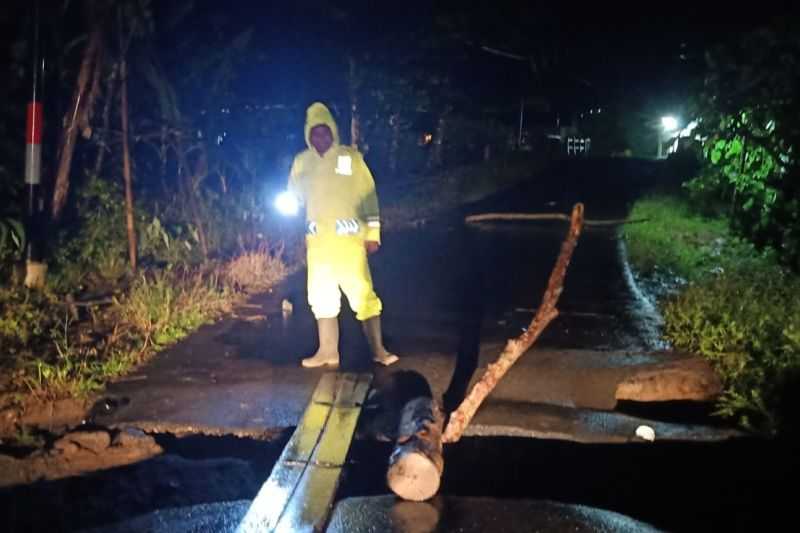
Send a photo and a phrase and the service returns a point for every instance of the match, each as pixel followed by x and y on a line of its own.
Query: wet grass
pixel 675 239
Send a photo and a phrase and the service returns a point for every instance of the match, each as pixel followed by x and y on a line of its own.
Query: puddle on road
pixel 642 307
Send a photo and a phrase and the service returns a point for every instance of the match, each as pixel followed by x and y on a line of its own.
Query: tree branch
pixel 515 348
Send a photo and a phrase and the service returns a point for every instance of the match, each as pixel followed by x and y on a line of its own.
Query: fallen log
pixel 416 465
pixel 514 349
pixel 489 217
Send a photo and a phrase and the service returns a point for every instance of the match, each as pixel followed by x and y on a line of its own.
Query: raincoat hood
pixel 316 114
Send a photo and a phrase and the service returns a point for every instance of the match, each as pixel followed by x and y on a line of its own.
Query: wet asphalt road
pixel 452 295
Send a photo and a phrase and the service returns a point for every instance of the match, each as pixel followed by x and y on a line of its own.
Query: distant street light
pixel 669 123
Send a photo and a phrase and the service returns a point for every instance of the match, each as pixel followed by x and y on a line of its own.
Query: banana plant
pixel 12 239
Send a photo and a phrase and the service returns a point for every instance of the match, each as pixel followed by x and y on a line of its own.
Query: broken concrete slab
pixel 689 378
pixel 94 441
pixel 76 453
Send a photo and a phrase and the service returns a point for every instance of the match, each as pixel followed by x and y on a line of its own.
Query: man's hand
pixel 372 246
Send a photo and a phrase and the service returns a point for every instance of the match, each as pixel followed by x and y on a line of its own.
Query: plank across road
pixel 300 490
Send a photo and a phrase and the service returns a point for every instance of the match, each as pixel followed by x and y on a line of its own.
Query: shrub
pixel 748 119
pixel 737 307
pixel 163 307
pixel 12 239
pixel 747 324
pixel 24 318
pixel 257 270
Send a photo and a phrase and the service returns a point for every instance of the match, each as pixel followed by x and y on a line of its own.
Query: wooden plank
pixel 327 388
pixel 272 499
pixel 312 502
pixel 306 437
pixel 335 441
pixel 301 488
pixel 353 389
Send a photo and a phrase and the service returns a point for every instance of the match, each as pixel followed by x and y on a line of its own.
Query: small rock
pixel 65 447
pixel 129 437
pixel 95 441
pixel 646 433
pixel 107 406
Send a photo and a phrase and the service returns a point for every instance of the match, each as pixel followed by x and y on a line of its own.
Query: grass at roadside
pixel 680 241
pixel 735 306
pixel 52 352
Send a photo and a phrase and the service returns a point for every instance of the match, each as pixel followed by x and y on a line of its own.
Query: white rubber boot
pixel 372 330
pixel 328 352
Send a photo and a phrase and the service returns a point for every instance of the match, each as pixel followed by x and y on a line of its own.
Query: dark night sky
pixel 608 52
pixel 632 49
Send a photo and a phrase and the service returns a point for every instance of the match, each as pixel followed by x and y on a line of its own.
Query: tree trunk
pixel 126 165
pixel 436 157
pixel 394 147
pixel 72 121
pixel 85 118
pixel 355 121
pixel 192 184
pixel 416 465
pixel 514 349
pixel 103 142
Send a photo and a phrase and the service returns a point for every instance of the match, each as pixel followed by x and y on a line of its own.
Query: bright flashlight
pixel 286 204
pixel 669 123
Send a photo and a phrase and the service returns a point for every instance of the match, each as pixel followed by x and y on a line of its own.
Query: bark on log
pixel 514 349
pixel 416 465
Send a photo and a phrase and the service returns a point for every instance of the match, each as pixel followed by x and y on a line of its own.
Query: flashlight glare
pixel 286 204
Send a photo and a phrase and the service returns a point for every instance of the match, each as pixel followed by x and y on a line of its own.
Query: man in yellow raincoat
pixel 342 227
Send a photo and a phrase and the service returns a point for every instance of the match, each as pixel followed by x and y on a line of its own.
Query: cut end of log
pixel 414 477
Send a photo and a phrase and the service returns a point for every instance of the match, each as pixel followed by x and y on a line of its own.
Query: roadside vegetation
pixel 95 320
pixel 728 247
pixel 165 139
pixel 722 299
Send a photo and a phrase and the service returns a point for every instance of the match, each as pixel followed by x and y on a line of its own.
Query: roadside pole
pixel 35 267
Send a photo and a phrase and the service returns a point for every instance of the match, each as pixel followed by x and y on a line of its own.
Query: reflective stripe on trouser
pixel 336 263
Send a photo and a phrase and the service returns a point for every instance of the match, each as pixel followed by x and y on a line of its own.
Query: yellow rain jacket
pixel 338 192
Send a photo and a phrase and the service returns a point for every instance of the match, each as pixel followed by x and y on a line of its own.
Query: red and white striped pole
pixel 33 148
pixel 35 267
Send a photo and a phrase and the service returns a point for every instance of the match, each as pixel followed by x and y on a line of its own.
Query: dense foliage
pixel 750 125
